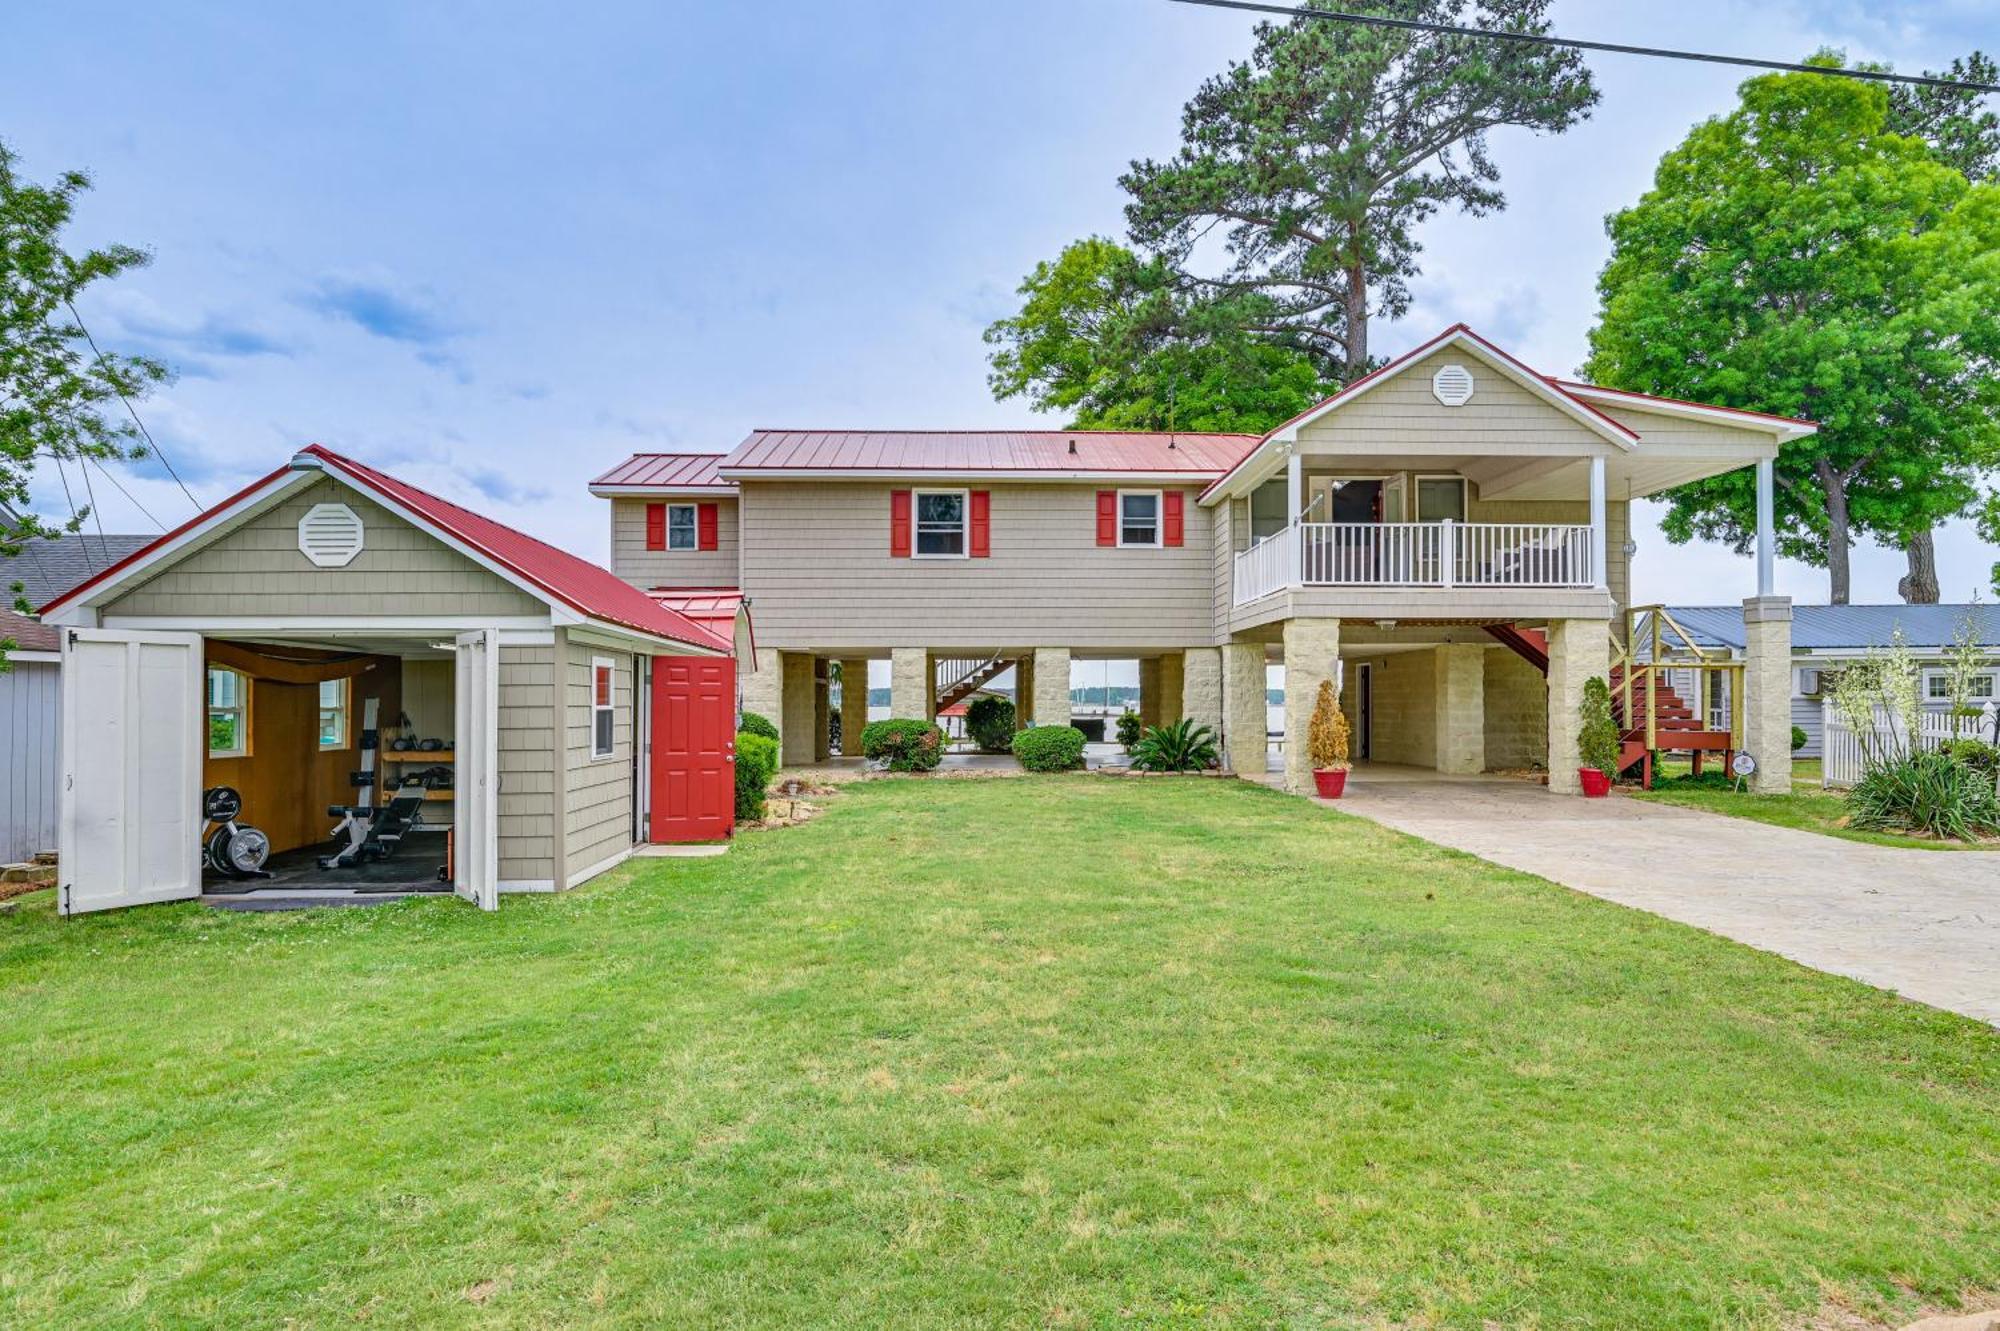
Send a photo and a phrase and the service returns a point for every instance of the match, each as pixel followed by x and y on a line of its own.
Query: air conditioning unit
pixel 1809 683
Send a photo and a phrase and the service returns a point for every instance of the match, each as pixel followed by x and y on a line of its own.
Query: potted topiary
pixel 1596 739
pixel 1326 743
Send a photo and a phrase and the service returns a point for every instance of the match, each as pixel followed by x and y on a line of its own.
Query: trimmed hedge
pixel 757 724
pixel 990 722
pixel 1050 748
pixel 756 764
pixel 903 745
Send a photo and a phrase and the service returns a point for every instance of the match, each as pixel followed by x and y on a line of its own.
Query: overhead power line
pixel 1616 48
pixel 144 433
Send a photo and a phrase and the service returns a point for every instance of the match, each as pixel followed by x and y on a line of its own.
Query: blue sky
pixel 495 248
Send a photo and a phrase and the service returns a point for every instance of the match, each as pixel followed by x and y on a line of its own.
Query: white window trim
pixel 242 711
pixel 346 716
pixel 596 754
pixel 964 523
pixel 693 528
pixel 1159 540
pixel 1417 493
pixel 1941 673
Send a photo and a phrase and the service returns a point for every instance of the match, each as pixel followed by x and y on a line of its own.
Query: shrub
pixel 1931 792
pixel 1180 747
pixel 1799 738
pixel 1597 733
pixel 1129 728
pixel 1980 756
pixel 903 745
pixel 990 722
pixel 1050 748
pixel 756 724
pixel 756 764
pixel 1326 732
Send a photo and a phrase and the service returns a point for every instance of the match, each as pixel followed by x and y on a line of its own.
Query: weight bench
pixel 374 833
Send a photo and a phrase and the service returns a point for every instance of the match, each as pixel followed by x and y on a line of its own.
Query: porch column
pixel 853 705
pixel 1052 686
pixel 1172 684
pixel 1461 709
pixel 1295 502
pixel 1767 540
pixel 1312 654
pixel 799 747
pixel 910 683
pixel 1202 688
pixel 1599 572
pixel 1149 691
pixel 822 713
pixel 1024 691
pixel 1241 689
pixel 1579 649
pixel 1767 692
pixel 764 688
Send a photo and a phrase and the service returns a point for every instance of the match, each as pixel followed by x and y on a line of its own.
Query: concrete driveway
pixel 1922 923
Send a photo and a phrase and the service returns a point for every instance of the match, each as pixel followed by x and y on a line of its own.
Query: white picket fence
pixel 1843 759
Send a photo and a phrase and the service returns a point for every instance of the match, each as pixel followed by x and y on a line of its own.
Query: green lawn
pixel 1044 1052
pixel 1809 808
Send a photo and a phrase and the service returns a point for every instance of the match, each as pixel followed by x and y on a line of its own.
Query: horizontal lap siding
pixel 598 791
pixel 258 570
pixel 632 561
pixel 1403 412
pixel 817 567
pixel 527 764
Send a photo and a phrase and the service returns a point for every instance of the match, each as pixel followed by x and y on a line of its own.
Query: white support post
pixel 1598 553
pixel 1295 486
pixel 1447 554
pixel 1767 552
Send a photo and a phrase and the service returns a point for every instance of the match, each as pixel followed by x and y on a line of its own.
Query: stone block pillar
pixel 1052 686
pixel 1173 682
pixel 853 705
pixel 799 747
pixel 1149 691
pixel 1579 649
pixel 911 694
pixel 822 713
pixel 1461 709
pixel 764 689
pixel 1246 725
pixel 1767 692
pixel 1024 692
pixel 1312 654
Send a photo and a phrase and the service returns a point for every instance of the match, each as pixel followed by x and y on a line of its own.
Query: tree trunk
pixel 1920 585
pixel 1357 321
pixel 1835 486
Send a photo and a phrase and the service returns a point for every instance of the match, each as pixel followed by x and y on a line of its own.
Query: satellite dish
pixel 1742 764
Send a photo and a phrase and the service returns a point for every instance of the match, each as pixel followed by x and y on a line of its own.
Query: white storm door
pixel 476 776
pixel 132 747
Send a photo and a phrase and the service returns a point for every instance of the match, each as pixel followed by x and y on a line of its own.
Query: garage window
pixel 333 714
pixel 602 681
pixel 228 713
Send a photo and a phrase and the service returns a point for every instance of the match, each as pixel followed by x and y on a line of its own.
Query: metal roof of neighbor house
pixel 1027 451
pixel 1831 627
pixel 666 471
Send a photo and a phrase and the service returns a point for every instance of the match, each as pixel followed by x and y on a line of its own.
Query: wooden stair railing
pixel 965 677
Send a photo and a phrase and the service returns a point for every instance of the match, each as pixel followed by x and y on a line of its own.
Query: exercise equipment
pixel 357 820
pixel 232 849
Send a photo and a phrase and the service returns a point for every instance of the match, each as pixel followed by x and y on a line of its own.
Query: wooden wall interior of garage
pixel 286 779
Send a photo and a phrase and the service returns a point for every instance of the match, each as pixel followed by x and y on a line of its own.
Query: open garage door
pixel 476 785
pixel 132 746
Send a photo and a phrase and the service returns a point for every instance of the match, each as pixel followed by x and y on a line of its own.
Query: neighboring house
pixel 1826 637
pixel 31 690
pixel 1447 536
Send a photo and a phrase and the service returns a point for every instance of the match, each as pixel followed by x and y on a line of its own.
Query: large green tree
pixel 59 398
pixel 1798 256
pixel 1288 218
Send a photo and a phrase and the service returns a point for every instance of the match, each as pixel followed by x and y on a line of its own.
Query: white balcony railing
pixel 1417 554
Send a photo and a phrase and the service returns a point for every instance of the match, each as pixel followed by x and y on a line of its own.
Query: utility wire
pixel 76 523
pixel 143 431
pixel 1617 48
pixel 112 476
pixel 90 493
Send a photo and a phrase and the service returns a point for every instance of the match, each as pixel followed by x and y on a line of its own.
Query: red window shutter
pixel 656 526
pixel 708 522
pixel 982 523
pixel 1173 523
pixel 1107 517
pixel 899 524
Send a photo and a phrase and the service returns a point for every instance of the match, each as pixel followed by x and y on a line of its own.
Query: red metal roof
pixel 1199 455
pixel 666 471
pixel 714 608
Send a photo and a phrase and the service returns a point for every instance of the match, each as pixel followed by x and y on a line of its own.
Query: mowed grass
pixel 1809 808
pixel 1042 1052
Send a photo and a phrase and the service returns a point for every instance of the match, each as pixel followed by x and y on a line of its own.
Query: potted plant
pixel 1596 739
pixel 1326 743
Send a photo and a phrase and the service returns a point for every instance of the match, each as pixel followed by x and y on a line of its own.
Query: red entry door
pixel 694 748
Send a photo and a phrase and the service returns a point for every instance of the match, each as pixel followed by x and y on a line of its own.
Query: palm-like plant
pixel 1180 747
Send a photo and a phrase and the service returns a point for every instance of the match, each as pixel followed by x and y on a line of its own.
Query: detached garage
pixel 396 693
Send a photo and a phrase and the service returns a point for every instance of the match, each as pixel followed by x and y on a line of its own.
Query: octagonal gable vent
pixel 1452 385
pixel 330 535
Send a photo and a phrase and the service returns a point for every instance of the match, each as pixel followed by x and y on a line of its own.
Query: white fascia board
pixel 415 626
pixel 18 655
pixel 1126 478
pixel 603 633
pixel 1777 426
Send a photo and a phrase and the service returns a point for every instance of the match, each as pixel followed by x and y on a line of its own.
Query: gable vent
pixel 1452 385
pixel 330 535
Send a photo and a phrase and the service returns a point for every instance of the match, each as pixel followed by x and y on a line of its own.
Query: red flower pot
pixel 1596 785
pixel 1330 782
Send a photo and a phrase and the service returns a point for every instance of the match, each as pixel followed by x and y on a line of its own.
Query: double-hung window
pixel 228 713
pixel 603 735
pixel 1937 686
pixel 941 522
pixel 1139 517
pixel 681 533
pixel 333 713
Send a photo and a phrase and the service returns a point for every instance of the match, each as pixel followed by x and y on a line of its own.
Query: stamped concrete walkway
pixel 1922 923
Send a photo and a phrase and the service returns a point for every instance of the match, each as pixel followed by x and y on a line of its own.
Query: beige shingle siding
pixel 1402 416
pixel 258 570
pixel 598 791
pixel 526 803
pixel 632 561
pixel 817 568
